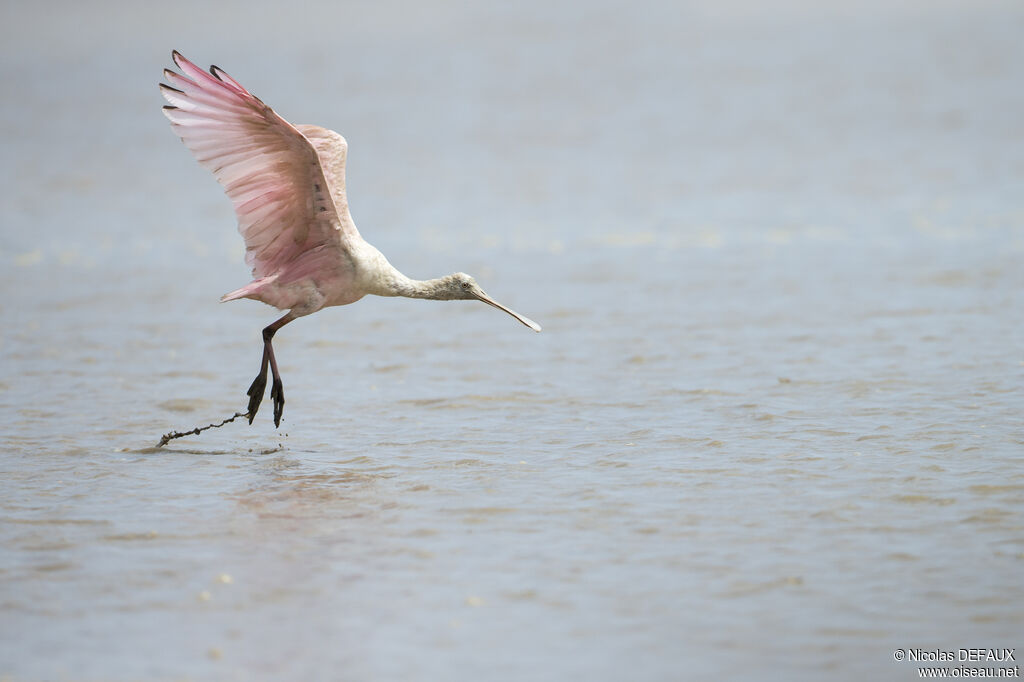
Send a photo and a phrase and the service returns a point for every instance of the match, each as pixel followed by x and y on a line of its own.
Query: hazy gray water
pixel 772 427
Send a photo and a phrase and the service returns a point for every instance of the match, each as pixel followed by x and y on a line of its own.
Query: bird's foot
pixel 277 394
pixel 255 393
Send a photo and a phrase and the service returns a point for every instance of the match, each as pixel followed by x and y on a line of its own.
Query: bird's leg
pixel 259 384
pixel 258 387
pixel 277 390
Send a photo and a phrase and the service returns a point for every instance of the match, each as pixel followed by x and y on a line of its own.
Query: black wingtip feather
pixel 214 69
pixel 165 86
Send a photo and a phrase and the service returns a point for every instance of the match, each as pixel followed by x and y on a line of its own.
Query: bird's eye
pixel 465 285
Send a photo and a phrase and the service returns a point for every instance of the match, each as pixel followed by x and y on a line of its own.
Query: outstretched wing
pixel 271 172
pixel 332 150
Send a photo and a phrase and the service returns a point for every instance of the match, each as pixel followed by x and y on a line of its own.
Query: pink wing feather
pixel 271 172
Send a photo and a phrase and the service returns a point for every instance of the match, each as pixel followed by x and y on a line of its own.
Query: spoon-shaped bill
pixel 490 301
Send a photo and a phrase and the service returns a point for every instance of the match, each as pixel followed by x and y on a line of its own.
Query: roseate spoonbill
pixel 287 184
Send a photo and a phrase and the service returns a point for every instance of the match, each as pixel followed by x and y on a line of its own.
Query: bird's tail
pixel 248 290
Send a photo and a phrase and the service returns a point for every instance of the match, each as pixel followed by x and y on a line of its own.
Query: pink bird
pixel 287 184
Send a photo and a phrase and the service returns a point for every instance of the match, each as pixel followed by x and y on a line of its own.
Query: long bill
pixel 525 320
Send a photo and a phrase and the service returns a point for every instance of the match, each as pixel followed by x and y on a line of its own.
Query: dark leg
pixel 258 387
pixel 259 384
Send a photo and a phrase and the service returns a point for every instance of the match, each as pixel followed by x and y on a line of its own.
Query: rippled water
pixel 773 426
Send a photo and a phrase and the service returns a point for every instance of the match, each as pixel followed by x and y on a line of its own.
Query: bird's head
pixel 461 286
